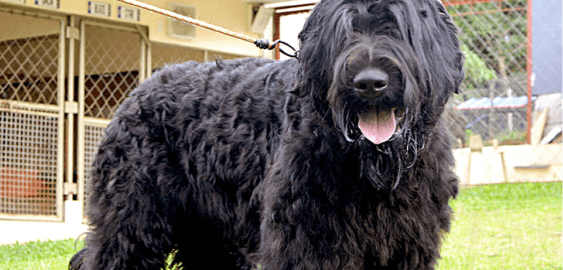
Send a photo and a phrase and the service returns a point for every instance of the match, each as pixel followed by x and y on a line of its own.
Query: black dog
pixel 334 161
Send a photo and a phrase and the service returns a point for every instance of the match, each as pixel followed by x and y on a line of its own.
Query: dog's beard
pixel 384 164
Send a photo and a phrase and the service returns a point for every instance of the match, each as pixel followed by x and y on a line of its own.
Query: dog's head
pixel 381 67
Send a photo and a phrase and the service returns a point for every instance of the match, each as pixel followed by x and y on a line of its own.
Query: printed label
pixel 129 13
pixel 48 3
pixel 99 9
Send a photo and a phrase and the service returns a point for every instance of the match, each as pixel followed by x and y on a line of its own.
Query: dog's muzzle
pixel 376 124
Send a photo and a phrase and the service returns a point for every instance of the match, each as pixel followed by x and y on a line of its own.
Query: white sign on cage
pixel 129 13
pixel 99 9
pixel 48 3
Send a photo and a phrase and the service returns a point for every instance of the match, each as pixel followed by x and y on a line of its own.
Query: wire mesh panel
pixel 31 116
pixel 29 163
pixel 29 64
pixel 29 69
pixel 493 100
pixel 111 61
pixel 93 135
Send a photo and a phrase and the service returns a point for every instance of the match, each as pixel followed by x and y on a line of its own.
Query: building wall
pixel 230 14
pixel 547 47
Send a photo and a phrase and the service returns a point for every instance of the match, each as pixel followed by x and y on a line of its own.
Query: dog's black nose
pixel 370 83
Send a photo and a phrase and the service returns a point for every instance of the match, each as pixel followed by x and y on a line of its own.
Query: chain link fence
pixel 494 99
pixel 493 102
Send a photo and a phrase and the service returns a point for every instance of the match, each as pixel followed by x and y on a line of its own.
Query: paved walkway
pixel 26 231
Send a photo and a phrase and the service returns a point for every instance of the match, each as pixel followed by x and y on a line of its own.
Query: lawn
pixel 509 226
pixel 48 255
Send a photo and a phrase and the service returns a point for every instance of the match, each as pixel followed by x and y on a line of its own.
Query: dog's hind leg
pixel 127 243
pixel 131 206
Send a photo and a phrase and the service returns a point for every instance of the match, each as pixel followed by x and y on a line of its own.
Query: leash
pixel 260 43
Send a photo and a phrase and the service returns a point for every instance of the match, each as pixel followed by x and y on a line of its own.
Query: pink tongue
pixel 377 125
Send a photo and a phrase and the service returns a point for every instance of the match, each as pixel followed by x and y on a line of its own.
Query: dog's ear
pixel 458 59
pixel 460 74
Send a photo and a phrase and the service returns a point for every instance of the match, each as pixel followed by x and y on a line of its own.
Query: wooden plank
pixel 538 126
pixel 534 167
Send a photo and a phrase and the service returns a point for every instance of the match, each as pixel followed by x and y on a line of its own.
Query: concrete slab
pixel 27 231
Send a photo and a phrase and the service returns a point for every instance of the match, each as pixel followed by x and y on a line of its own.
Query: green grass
pixel 509 226
pixel 38 255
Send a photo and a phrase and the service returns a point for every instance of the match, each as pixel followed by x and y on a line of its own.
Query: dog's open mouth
pixel 378 124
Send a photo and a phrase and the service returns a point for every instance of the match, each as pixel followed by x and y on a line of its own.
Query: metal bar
pixel 142 33
pixel 295 10
pixel 149 59
pixel 46 114
pixel 14 105
pixel 113 26
pixel 529 65
pixel 70 97
pixel 142 61
pixel 145 51
pixel 81 104
pixel 61 122
pixel 96 122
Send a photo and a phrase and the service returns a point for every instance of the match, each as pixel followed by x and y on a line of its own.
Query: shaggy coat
pixel 257 164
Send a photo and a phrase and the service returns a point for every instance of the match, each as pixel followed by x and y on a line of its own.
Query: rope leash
pixel 260 43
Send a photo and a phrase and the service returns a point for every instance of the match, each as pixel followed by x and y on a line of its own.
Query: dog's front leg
pixel 303 216
pixel 293 237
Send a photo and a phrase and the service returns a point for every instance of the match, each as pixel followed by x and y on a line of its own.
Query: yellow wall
pixel 230 14
pixel 25 27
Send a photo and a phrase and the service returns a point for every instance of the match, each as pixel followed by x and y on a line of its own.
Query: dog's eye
pixel 424 13
pixel 443 13
pixel 445 16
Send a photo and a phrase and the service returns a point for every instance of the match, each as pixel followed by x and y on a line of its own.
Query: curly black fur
pixel 254 162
